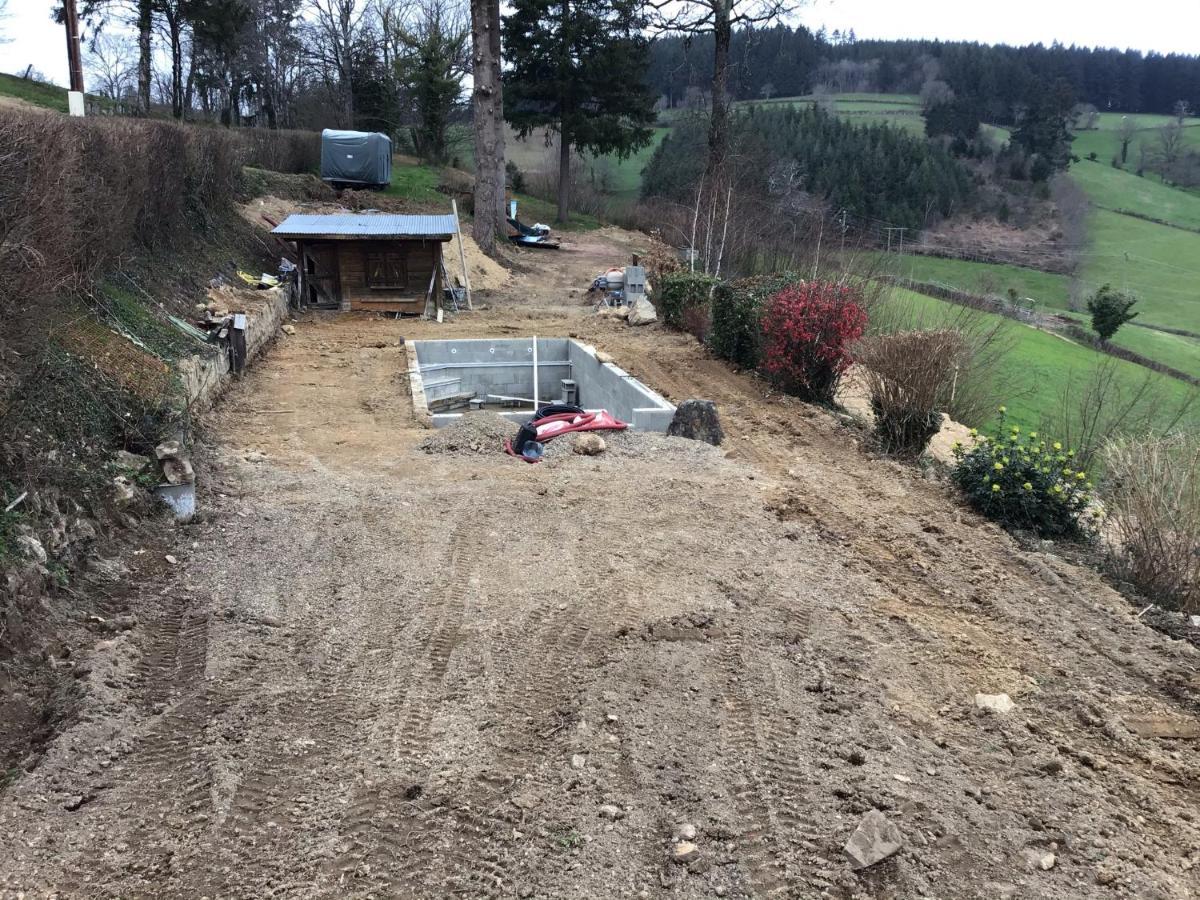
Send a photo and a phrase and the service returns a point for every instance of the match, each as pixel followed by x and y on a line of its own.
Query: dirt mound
pixel 478 432
pixel 486 273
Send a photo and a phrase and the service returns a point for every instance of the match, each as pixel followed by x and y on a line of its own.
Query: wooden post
pixel 462 254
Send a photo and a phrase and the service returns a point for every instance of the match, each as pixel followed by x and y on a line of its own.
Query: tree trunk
pixel 176 27
pixel 145 24
pixel 564 174
pixel 718 127
pixel 488 124
pixel 498 117
pixel 564 136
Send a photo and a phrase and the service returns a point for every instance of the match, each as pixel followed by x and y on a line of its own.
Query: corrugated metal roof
pixel 366 225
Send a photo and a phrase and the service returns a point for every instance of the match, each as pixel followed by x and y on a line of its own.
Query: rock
pixel 32 548
pixel 123 492
pixel 289 329
pixel 131 462
pixel 610 811
pixel 684 852
pixel 589 444
pixel 578 761
pixel 997 703
pixel 642 312
pixel 875 839
pixel 685 831
pixel 697 420
pixel 178 471
pixel 602 357
pixel 168 450
pixel 1051 766
pixel 171 560
pixel 525 891
pixel 73 803
pixel 1046 863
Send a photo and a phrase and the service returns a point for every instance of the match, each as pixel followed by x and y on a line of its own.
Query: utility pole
pixel 74 59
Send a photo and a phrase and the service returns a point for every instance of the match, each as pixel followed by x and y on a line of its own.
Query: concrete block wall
pixel 482 367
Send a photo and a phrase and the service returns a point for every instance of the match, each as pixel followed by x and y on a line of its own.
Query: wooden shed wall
pixel 422 261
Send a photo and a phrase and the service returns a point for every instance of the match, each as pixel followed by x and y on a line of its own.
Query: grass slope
pixel 1158 263
pixel 1040 365
pixel 48 96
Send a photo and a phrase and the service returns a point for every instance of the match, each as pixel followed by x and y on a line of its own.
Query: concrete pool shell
pixel 440 369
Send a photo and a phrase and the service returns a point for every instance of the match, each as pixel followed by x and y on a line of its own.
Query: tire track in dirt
pixel 396 831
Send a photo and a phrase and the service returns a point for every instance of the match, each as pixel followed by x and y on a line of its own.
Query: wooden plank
pixel 462 253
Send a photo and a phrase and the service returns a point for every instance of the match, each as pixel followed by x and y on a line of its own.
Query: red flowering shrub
pixel 807 331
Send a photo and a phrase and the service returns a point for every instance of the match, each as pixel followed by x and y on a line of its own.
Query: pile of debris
pixel 175 479
pixel 477 432
pixel 622 292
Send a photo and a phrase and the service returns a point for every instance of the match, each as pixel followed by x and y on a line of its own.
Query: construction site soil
pixel 370 670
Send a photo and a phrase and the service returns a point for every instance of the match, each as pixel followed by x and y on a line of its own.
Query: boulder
pixel 32 548
pixel 589 444
pixel 131 462
pixel 997 703
pixel 874 840
pixel 642 312
pixel 178 471
pixel 168 450
pixel 123 492
pixel 698 421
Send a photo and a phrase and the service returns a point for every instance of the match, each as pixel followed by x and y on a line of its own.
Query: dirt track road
pixel 377 672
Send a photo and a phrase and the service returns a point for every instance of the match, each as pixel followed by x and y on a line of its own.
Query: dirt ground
pixel 371 671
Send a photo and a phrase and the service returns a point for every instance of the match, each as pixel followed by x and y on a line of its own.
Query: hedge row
pixel 737 309
pixel 78 195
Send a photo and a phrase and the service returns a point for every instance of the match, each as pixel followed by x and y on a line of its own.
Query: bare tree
pixel 1182 110
pixel 718 18
pixel 1125 134
pixel 111 61
pixel 1170 144
pixel 1085 117
pixel 487 104
pixel 335 27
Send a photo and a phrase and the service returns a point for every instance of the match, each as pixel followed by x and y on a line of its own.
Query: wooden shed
pixel 369 261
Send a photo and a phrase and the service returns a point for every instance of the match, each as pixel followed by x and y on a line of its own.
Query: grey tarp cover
pixel 356 157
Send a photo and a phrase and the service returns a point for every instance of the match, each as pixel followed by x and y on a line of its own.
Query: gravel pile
pixel 478 432
pixel 634 444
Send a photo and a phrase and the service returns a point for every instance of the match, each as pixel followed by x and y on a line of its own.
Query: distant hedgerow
pixel 1022 481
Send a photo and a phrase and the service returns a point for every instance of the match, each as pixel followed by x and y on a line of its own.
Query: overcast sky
pixel 1164 25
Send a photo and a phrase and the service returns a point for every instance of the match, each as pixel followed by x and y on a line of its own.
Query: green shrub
pixel 684 300
pixel 1022 481
pixel 737 307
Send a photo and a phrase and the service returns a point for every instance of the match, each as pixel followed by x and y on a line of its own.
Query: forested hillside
pixel 798 155
pixel 782 61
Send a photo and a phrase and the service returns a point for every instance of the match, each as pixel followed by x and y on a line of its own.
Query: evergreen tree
pixel 1044 132
pixel 577 68
pixel 1110 310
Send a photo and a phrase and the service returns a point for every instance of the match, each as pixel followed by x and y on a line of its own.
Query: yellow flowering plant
pixel 1022 483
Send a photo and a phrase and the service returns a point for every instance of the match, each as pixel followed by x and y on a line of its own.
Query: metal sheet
pixel 364 225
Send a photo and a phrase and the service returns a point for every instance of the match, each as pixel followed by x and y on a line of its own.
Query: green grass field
pixel 1051 294
pixel 1118 189
pixel 1158 263
pixel 1041 364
